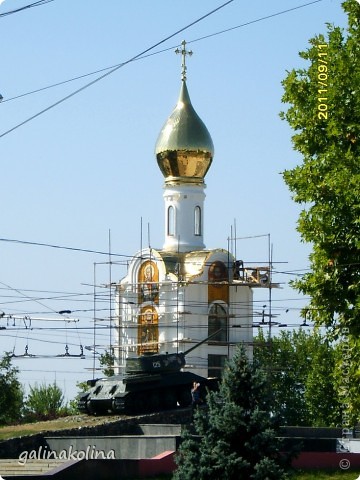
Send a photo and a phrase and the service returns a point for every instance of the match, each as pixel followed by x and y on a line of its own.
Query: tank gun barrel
pixel 203 341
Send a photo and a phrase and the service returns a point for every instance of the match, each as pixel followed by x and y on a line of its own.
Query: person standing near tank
pixel 195 395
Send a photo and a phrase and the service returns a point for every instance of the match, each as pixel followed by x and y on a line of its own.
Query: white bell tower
pixel 184 217
pixel 184 151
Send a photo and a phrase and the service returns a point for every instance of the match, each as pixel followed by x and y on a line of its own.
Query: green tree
pixel 107 360
pixel 45 402
pixel 301 369
pixel 285 357
pixel 73 404
pixel 324 112
pixel 321 395
pixel 11 392
pixel 237 431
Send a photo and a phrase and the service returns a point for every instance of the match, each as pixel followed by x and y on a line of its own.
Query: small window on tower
pixel 197 220
pixel 171 221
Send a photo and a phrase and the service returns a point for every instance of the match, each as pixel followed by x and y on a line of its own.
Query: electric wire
pixel 254 21
pixel 114 69
pixel 61 247
pixel 249 264
pixel 142 57
pixel 67 354
pixel 26 7
pixel 104 298
pixel 34 300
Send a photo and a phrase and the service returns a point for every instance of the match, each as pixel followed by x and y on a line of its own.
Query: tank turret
pixel 160 362
pixel 157 363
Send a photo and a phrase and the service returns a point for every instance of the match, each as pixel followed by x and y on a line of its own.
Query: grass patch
pixel 62 423
pixel 13 431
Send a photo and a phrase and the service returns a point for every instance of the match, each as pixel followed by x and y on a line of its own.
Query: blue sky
pixel 85 171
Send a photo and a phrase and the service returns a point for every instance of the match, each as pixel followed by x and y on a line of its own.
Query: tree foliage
pixel 327 183
pixel 73 403
pixel 11 391
pixel 301 369
pixel 107 360
pixel 45 401
pixel 237 431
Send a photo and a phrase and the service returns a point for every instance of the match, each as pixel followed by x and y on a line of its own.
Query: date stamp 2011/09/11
pixel 322 77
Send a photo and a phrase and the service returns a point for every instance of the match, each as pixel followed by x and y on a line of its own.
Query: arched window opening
pixel 171 221
pixel 218 322
pixel 197 221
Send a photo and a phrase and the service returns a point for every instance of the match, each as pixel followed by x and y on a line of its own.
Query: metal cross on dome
pixel 183 52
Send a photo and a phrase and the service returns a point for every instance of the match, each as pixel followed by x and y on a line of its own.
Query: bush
pixel 45 402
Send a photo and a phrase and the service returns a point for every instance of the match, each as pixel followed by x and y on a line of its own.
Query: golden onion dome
pixel 184 148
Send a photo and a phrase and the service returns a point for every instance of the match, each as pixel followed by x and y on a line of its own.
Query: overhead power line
pixel 116 68
pixel 267 17
pixel 30 298
pixel 142 57
pixel 26 7
pixel 249 263
pixel 84 250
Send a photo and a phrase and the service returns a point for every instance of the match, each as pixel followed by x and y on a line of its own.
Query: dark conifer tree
pixel 236 435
